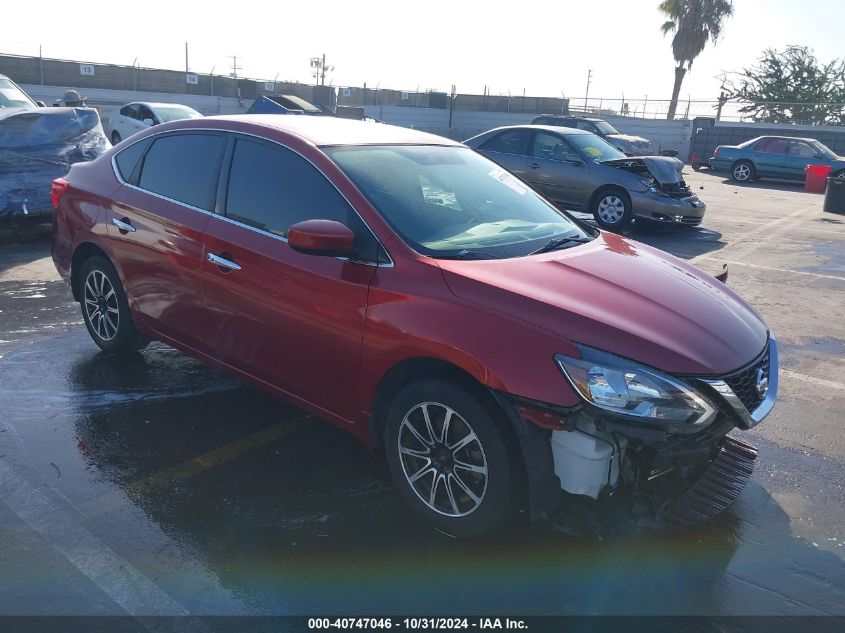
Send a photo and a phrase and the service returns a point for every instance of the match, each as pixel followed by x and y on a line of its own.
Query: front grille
pixel 690 220
pixel 744 382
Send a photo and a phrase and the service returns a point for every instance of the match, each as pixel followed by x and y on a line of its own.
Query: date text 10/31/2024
pixel 413 624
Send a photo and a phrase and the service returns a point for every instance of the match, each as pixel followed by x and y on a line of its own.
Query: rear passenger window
pixel 272 188
pixel 183 167
pixel 127 159
pixel 513 142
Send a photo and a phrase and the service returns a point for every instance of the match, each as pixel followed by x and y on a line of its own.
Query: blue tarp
pixel 38 146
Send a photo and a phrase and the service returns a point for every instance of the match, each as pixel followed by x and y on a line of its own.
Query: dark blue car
pixel 775 157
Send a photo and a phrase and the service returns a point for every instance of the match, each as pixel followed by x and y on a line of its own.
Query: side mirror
pixel 149 122
pixel 321 237
pixel 41 104
pixel 573 158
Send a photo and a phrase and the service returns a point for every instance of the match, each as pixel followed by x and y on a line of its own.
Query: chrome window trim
pixel 749 419
pixel 120 179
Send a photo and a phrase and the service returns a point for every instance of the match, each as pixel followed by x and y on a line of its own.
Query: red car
pixel 411 291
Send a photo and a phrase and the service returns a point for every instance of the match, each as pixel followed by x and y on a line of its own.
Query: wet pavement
pixel 156 485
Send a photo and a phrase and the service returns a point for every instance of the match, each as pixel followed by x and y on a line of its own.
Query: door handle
pixel 123 225
pixel 222 262
pixel 533 165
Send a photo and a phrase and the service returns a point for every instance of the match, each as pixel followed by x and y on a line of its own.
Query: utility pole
pixel 587 92
pixel 211 78
pixel 234 73
pixel 187 70
pixel 134 76
pixel 41 64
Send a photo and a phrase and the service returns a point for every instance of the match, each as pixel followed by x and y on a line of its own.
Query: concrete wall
pixel 666 135
pixel 107 101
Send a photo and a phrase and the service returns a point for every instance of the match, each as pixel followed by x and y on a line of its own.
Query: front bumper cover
pixel 655 450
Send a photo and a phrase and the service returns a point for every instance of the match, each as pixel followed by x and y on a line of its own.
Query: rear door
pixel 556 170
pixel 291 320
pixel 771 158
pixel 156 227
pixel 510 149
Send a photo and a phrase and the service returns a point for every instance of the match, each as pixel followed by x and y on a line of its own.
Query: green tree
pixel 791 86
pixel 693 22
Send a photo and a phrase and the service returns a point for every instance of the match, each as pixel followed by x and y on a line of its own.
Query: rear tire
pixel 105 309
pixel 612 209
pixel 464 482
pixel 115 137
pixel 743 171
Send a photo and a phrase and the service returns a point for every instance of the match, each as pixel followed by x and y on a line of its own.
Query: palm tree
pixel 693 22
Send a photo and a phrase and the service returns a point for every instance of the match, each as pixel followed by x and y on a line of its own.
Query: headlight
pixel 635 391
pixel 648 183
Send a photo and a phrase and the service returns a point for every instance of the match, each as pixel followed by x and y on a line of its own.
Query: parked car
pixel 134 117
pixel 626 143
pixel 775 157
pixel 37 145
pixel 579 171
pixel 416 294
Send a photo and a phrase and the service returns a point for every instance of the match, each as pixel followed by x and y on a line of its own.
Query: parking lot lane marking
pixel 821 382
pixel 216 457
pixel 747 243
pixel 797 228
pixel 762 267
pixel 114 575
pixel 167 477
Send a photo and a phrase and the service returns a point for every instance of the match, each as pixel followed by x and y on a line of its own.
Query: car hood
pixel 665 169
pixel 629 139
pixel 622 297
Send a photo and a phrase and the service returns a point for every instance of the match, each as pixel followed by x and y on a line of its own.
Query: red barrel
pixel 815 179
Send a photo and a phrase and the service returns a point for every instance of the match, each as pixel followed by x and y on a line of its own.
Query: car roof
pixel 568 116
pixel 569 131
pixel 328 130
pixel 785 138
pixel 158 104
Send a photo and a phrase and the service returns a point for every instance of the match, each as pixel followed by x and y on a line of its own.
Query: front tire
pixel 612 209
pixel 448 456
pixel 743 171
pixel 105 309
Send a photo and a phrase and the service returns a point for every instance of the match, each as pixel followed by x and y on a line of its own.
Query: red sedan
pixel 411 291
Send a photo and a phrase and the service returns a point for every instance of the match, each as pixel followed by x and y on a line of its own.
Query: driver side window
pixel 549 146
pixel 271 188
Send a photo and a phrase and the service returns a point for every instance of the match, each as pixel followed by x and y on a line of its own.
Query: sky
pixel 544 49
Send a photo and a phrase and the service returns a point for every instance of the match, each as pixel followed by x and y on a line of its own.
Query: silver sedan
pixel 580 171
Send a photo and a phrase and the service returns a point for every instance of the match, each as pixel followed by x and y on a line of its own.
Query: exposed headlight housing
pixel 636 392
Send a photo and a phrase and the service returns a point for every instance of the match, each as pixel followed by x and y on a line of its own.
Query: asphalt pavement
pixel 156 485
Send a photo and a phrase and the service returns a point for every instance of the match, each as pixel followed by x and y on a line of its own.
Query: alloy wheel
pixel 101 307
pixel 742 172
pixel 442 459
pixel 611 209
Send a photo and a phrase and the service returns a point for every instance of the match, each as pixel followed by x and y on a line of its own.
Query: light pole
pixel 587 92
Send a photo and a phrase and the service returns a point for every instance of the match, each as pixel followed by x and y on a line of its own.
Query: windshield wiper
pixel 561 242
pixel 467 254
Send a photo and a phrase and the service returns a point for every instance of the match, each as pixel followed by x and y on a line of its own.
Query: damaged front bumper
pixel 621 465
pixel 663 209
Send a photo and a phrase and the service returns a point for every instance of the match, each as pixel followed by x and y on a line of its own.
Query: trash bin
pixel 815 178
pixel 834 198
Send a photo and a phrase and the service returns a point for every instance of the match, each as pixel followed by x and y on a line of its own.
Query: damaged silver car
pixel 580 171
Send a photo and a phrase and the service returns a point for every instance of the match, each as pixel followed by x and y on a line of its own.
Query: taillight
pixel 716 153
pixel 60 185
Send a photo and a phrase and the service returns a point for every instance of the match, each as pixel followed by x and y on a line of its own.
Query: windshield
pixel 176 113
pixel 13 97
pixel 605 128
pixel 450 202
pixel 824 149
pixel 594 148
